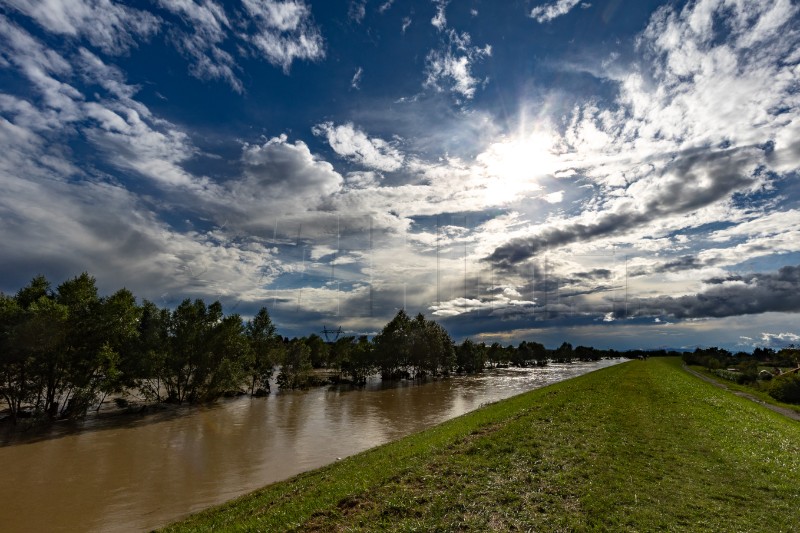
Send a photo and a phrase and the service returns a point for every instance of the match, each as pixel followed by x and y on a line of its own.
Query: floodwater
pixel 138 472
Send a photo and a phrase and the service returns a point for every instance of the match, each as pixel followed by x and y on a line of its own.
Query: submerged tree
pixel 265 349
pixel 318 350
pixel 431 348
pixel 63 351
pixel 354 358
pixel 32 332
pixel 207 355
pixel 296 366
pixel 144 368
pixel 471 356
pixel 392 346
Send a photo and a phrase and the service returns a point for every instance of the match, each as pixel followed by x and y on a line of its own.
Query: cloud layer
pixel 659 183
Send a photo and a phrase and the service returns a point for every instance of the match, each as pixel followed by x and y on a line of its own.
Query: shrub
pixel 786 388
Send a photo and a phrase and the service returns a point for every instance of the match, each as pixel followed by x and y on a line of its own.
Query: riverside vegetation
pixel 642 446
pixel 768 374
pixel 64 351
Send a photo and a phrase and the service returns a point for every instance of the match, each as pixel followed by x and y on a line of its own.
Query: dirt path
pixel 794 415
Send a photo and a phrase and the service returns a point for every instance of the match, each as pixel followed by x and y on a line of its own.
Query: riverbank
pixel 639 446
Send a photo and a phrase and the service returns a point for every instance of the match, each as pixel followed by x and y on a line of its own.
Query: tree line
pixel 776 372
pixel 63 351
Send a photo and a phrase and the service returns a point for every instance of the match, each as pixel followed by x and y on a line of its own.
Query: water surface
pixel 145 471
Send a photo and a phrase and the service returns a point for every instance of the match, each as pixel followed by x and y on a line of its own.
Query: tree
pixel 340 354
pixel 296 367
pixel 522 355
pixel 117 318
pixel 564 353
pixel 430 348
pixel 361 360
pixel 587 353
pixel 83 345
pixel 471 357
pixel 496 355
pixel 36 357
pixel 14 387
pixel 392 346
pixel 318 350
pixel 186 364
pixel 420 358
pixel 265 350
pixel 38 288
pixel 31 338
pixel 208 353
pixel 145 368
pixel 106 378
pixel 225 359
pixel 353 358
pixel 538 352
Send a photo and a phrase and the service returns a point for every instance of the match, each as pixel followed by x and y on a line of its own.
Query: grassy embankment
pixel 639 447
pixel 753 390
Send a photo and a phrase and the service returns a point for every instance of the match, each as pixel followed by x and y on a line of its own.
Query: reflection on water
pixel 156 469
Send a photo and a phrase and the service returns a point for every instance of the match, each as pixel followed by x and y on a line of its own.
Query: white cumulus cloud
pixel 450 67
pixel 548 12
pixel 353 144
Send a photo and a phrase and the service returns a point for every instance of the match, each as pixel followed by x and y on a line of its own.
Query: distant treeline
pixel 767 370
pixel 63 351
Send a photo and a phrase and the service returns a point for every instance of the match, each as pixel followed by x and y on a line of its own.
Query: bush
pixel 786 388
pixel 737 377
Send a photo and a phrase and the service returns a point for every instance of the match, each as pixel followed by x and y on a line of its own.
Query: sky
pixel 620 174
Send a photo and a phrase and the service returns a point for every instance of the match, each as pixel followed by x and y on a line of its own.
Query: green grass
pixel 752 390
pixel 641 446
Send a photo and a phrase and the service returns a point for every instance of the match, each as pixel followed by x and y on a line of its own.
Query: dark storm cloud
pixel 594 274
pixel 686 262
pixel 736 295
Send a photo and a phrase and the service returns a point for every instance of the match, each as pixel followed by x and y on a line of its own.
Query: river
pixel 138 472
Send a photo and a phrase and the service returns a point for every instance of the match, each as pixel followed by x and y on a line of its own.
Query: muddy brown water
pixel 140 472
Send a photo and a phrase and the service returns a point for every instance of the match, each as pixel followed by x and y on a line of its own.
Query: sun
pixel 515 166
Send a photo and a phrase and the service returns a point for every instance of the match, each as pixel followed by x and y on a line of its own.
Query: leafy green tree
pixel 361 360
pixel 14 386
pixel 106 377
pixel 38 288
pixel 496 355
pixel 587 353
pixel 83 343
pixel 208 353
pixel 392 346
pixel 470 356
pixel 145 367
pixel 785 388
pixel 430 349
pixel 100 331
pixel 538 352
pixel 39 359
pixel 225 365
pixel 117 319
pixel 296 367
pixel 31 339
pixel 353 357
pixel 340 353
pixel 185 363
pixel 266 348
pixel 564 353
pixel 522 355
pixel 318 350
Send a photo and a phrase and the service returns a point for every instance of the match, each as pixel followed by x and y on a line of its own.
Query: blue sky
pixel 620 174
